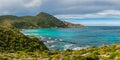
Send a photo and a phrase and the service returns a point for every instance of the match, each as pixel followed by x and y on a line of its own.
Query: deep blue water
pixel 76 38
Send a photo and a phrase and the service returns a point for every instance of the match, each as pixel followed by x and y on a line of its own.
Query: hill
pixel 69 25
pixel 12 40
pixel 41 20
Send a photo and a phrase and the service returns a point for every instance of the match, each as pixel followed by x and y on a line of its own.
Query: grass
pixel 94 53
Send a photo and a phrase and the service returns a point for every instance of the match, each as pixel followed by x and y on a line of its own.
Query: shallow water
pixel 76 38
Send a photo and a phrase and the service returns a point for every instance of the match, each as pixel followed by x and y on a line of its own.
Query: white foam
pixel 49 38
pixel 50 41
pixel 79 48
pixel 74 47
pixel 55 39
pixel 40 36
pixel 45 43
pixel 68 46
pixel 52 46
pixel 61 39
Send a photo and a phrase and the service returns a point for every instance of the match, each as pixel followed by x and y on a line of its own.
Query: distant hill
pixel 69 25
pixel 41 20
pixel 12 40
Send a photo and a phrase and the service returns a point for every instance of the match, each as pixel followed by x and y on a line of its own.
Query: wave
pixel 51 41
pixel 74 47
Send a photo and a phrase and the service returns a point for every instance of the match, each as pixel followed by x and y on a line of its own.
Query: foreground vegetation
pixel 11 40
pixel 94 53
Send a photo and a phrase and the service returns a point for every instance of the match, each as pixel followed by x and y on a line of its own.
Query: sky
pixel 86 12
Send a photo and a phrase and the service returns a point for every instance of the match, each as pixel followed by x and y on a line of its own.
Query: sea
pixel 76 38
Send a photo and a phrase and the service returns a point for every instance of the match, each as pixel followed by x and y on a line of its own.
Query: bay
pixel 76 38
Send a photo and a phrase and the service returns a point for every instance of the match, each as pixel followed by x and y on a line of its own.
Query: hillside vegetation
pixel 11 40
pixel 94 53
pixel 42 20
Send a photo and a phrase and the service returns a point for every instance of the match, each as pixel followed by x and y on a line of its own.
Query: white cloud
pixel 100 23
pixel 33 3
pixel 6 13
pixel 110 12
pixel 56 7
pixel 85 18
pixel 17 6
pixel 105 13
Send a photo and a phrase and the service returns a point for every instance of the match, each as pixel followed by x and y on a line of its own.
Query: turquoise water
pixel 76 38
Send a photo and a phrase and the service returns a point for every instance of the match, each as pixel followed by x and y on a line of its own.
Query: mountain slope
pixel 12 40
pixel 69 25
pixel 42 20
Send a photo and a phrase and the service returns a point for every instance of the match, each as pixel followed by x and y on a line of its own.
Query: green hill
pixel 12 40
pixel 41 20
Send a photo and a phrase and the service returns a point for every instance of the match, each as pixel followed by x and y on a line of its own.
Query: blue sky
pixel 87 12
